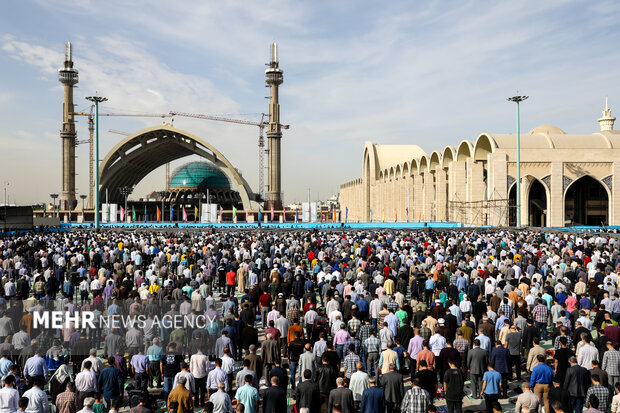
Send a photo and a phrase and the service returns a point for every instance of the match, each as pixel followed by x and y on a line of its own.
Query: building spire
pixel 607 121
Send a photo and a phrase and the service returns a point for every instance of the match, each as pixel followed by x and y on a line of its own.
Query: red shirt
pixel 265 300
pixel 230 278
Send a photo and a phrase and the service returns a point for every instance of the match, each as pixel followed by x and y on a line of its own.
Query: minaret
pixel 274 78
pixel 68 76
pixel 607 121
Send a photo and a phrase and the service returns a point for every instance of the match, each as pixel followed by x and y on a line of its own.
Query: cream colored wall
pixel 465 183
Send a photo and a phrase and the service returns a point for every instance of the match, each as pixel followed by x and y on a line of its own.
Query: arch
pixel 448 156
pixel 405 169
pixel 423 164
pixel 484 145
pixel 435 160
pixel 586 202
pixel 464 151
pixel 397 172
pixel 144 151
pixel 415 165
pixel 537 203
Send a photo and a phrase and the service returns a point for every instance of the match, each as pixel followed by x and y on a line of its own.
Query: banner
pixel 247 214
pixel 221 214
pixel 145 214
pixel 195 213
pixel 122 213
pixel 346 214
pixel 271 213
pixel 407 209
pixel 260 215
pixel 383 215
pixel 133 214
pixel 209 213
pixel 296 215
pixel 158 214
pixel 171 213
pixel 234 213
pixel 184 214
pixel 370 214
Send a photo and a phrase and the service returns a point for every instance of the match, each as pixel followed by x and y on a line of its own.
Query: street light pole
pixel 83 216
pixel 517 100
pixel 96 100
pixel 125 191
pixel 54 196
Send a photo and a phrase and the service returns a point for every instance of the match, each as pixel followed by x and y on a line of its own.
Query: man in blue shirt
pixel 491 381
pixel 540 380
pixel 500 357
pixel 485 342
pixel 110 382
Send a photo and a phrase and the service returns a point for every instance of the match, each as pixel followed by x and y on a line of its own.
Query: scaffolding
pixel 494 212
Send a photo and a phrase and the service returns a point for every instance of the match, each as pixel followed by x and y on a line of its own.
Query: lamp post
pixel 517 100
pixel 83 198
pixel 6 183
pixel 54 196
pixel 125 191
pixel 96 100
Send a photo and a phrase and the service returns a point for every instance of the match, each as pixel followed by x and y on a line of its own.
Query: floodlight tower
pixel 274 76
pixel 68 76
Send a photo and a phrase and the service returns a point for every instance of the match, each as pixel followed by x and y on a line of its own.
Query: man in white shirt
pixel 357 384
pixel 199 367
pixel 37 398
pixel 586 353
pixel 85 383
pixel 9 396
pixel 189 378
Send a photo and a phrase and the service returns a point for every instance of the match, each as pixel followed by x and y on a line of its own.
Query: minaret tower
pixel 274 76
pixel 607 121
pixel 68 76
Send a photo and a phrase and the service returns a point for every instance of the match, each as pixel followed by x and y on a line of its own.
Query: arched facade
pixel 141 153
pixel 473 182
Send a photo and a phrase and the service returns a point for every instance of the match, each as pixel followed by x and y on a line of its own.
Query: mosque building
pixel 566 180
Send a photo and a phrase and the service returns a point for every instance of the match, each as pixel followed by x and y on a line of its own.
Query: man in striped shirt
pixel 541 316
pixel 372 347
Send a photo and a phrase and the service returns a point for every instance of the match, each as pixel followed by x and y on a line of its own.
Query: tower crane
pixel 261 140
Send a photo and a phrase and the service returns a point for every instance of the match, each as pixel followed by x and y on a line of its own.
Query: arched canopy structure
pixel 141 153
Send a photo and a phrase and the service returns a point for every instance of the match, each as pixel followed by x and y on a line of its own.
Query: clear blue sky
pixel 429 73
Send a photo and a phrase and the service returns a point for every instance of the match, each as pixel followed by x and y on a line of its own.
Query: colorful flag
pixel 184 214
pixel 383 215
pixel 145 214
pixel 196 213
pixel 221 214
pixel 407 209
pixel 370 214
pixel 158 214
pixel 283 214
pixel 272 213
pixel 122 213
pixel 296 215
pixel 44 208
pixel 171 213
pixel 260 215
pixel 346 214
pixel 247 214
pixel 133 213
pixel 234 213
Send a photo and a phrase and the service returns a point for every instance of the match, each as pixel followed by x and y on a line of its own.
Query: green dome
pixel 199 175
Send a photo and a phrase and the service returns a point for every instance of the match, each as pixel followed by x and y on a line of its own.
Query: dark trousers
pixel 504 389
pixel 393 407
pixel 81 396
pixel 515 363
pixel 372 363
pixel 476 382
pixel 489 399
pixel 142 381
pixel 576 404
pixel 201 390
pixel 542 330
pixel 155 373
pixel 454 406
pixel 230 289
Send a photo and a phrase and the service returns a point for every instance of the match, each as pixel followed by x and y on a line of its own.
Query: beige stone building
pixel 565 180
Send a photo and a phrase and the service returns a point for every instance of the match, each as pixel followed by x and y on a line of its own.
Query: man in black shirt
pixel 453 384
pixel 294 352
pixel 428 379
pixel 274 397
pixel 170 365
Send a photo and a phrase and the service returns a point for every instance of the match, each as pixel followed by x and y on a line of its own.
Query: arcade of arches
pixel 566 180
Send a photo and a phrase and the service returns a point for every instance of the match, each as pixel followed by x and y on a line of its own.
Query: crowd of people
pixel 332 321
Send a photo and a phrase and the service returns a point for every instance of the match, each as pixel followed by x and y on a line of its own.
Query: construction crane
pixel 261 140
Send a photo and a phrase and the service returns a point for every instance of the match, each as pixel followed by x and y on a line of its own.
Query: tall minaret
pixel 607 121
pixel 274 78
pixel 68 76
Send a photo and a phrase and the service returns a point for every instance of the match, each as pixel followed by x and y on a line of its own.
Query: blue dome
pixel 199 175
